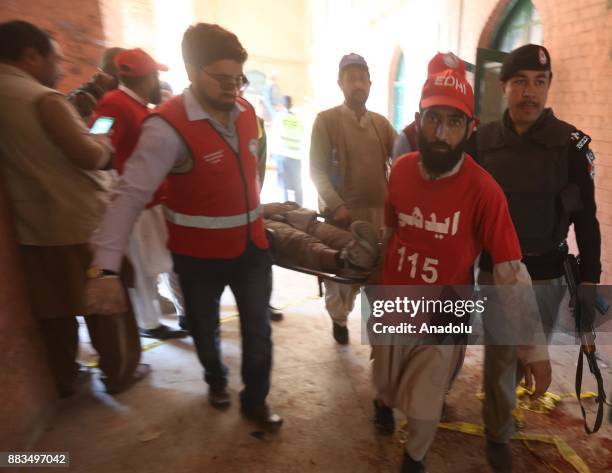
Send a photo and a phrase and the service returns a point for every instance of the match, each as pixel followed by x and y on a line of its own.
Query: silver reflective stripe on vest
pixel 214 223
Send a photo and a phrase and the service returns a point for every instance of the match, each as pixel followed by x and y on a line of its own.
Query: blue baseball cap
pixel 352 59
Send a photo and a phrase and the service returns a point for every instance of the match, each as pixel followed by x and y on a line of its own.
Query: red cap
pixel 442 61
pixel 448 88
pixel 137 63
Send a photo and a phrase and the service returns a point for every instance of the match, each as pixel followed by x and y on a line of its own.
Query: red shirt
pixel 128 114
pixel 441 226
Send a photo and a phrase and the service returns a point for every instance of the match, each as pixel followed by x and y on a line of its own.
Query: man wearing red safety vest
pixel 128 106
pixel 204 143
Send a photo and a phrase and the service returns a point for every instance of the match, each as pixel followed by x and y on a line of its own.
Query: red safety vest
pixel 129 115
pixel 213 210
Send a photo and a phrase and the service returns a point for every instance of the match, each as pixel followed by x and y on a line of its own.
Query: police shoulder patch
pixel 590 166
pixel 579 139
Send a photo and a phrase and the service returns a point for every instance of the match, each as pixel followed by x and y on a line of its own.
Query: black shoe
pixel 219 397
pixel 275 314
pixel 411 466
pixel 340 334
pixel 383 418
pixel 262 416
pixel 163 332
pixel 499 456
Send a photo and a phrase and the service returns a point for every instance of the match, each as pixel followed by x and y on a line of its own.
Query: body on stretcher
pixel 301 242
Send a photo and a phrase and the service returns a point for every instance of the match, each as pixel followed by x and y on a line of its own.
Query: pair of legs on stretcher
pixel 298 239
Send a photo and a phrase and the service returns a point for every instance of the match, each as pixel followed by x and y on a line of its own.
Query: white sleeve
pixel 158 150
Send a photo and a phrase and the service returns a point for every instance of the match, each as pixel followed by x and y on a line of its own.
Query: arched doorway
pixel 521 25
pixel 397 100
pixel 518 24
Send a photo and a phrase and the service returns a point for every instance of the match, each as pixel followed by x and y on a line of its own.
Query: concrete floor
pixel 165 424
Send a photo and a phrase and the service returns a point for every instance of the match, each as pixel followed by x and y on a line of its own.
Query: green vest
pixel 291 135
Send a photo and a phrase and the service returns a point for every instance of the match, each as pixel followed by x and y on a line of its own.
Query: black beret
pixel 530 57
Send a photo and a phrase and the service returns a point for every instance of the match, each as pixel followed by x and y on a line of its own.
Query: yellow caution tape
pixel 519 418
pixel 539 458
pixel 568 454
pixel 548 401
pixel 543 405
pixel 154 344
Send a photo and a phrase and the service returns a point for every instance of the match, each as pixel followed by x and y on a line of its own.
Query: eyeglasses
pixel 230 82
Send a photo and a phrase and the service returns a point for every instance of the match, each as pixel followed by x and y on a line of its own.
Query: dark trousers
pixel 202 282
pixel 502 370
pixel 290 177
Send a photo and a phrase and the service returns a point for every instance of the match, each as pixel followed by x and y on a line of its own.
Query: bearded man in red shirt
pixel 441 211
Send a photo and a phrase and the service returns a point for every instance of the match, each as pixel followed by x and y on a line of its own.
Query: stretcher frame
pixel 323 276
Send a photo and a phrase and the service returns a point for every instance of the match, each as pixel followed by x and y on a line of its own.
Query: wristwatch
pixel 94 272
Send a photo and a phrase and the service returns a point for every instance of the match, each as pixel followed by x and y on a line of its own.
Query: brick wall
pixel 578 35
pixel 76 25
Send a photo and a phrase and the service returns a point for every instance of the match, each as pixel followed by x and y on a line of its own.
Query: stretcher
pixel 322 276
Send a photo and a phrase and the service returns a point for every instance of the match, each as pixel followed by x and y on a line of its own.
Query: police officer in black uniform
pixel 545 167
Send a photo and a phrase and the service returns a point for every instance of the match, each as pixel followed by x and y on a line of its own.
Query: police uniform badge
pixel 542 57
pixel 580 139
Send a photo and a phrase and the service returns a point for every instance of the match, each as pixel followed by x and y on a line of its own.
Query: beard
pixel 357 99
pixel 439 157
pixel 155 96
pixel 221 105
